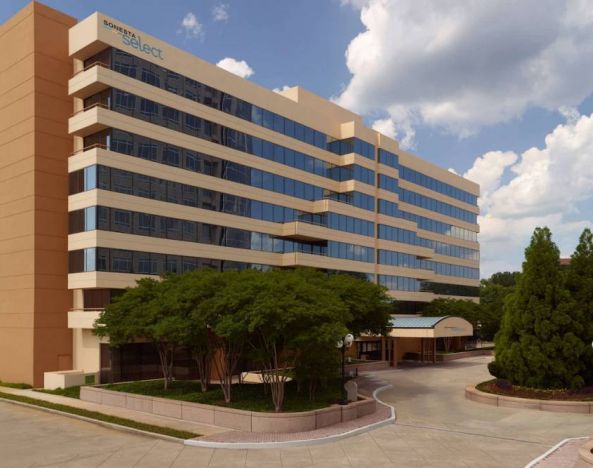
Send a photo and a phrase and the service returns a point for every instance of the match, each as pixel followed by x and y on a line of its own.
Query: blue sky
pixel 452 80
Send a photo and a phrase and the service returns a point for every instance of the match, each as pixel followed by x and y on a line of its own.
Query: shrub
pixel 495 370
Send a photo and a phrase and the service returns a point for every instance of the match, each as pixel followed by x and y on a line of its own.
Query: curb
pixel 301 442
pixel 553 406
pixel 535 461
pixel 96 421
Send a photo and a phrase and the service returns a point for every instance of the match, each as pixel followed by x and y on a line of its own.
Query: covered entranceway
pixel 416 338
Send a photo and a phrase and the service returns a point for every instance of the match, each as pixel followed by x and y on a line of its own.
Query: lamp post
pixel 342 344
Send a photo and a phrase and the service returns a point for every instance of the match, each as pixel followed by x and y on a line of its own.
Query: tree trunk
pixel 277 378
pixel 226 366
pixel 165 352
pixel 203 361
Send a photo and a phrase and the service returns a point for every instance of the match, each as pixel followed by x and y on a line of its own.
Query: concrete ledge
pixel 247 421
pixel 585 455
pixel 305 441
pixel 464 354
pixel 368 366
pixel 584 407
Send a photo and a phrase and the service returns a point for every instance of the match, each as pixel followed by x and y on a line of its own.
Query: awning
pixel 430 327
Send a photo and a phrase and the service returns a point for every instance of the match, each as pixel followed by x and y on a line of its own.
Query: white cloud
pixel 385 126
pixel 220 12
pixel 488 170
pixel 459 66
pixel 403 131
pixel 542 186
pixel 354 3
pixel 191 27
pixel 238 67
pixel 571 114
pixel 281 89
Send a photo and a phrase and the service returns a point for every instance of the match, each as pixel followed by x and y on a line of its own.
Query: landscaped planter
pixel 472 393
pixel 249 421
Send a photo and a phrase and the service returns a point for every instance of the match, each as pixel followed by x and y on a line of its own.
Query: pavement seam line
pixel 470 433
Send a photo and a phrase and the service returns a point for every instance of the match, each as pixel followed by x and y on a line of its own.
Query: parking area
pixel 436 427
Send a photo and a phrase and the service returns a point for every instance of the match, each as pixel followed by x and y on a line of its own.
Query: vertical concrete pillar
pixel 394 352
pixel 434 350
pixel 383 350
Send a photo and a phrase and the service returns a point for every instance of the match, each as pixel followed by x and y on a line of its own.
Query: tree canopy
pixel 282 318
pixel 142 313
pixel 539 342
pixel 580 283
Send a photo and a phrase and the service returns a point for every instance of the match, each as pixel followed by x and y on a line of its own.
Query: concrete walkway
pixel 566 454
pixel 434 417
pixel 436 427
pixel 196 428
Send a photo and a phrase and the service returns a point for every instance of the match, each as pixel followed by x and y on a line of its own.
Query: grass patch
pixel 21 386
pixel 250 397
pixel 504 388
pixel 71 392
pixel 101 417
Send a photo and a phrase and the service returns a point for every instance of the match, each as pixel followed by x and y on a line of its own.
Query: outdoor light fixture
pixel 342 344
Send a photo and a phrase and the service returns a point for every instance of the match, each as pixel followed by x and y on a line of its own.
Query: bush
pixel 495 370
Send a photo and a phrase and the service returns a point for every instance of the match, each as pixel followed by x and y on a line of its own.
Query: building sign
pixel 130 39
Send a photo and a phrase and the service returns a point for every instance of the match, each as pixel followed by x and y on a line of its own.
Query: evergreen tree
pixel 539 344
pixel 580 284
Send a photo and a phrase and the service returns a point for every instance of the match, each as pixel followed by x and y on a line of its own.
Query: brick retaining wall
pixel 248 421
pixel 472 393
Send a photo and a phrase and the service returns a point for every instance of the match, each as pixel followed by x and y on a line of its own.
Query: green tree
pixel 505 278
pixel 493 293
pixel 539 342
pixel 580 283
pixel 290 311
pixel 317 363
pixel 141 312
pixel 369 305
pixel 187 293
pixel 234 291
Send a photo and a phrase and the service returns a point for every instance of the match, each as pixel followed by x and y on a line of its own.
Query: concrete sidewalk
pixel 214 436
pixel 565 454
pixel 196 428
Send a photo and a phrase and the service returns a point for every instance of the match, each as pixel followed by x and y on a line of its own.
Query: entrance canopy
pixel 430 327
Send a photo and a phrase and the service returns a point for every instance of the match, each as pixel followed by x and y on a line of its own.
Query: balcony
pixel 89 120
pixel 93 79
pixel 83 318
pixel 303 231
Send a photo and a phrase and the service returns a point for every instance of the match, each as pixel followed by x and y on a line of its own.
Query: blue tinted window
pixel 90 178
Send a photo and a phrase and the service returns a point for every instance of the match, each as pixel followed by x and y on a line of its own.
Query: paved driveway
pixel 436 427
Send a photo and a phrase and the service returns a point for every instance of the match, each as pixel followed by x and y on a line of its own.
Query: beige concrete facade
pixel 42 129
pixel 99 32
pixel 34 148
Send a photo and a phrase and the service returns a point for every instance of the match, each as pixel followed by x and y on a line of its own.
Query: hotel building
pixel 163 162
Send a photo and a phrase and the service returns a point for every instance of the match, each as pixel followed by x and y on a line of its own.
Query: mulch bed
pixel 503 387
